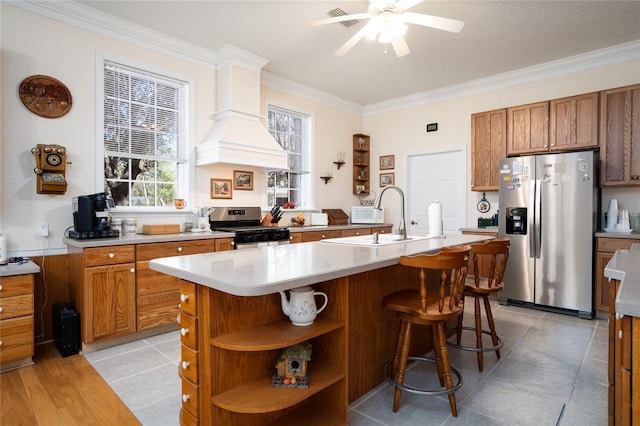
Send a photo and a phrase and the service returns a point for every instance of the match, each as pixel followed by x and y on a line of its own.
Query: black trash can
pixel 66 329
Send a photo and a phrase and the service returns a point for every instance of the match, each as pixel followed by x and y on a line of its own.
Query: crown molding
pixel 298 89
pixel 107 25
pixel 621 53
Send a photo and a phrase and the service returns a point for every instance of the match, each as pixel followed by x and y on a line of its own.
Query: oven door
pixel 240 246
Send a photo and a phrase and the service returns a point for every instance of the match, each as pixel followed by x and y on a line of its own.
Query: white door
pixel 437 176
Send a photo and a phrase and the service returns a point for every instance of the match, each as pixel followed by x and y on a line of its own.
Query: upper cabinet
pixel 528 129
pixel 488 146
pixel 361 162
pixel 573 122
pixel 620 136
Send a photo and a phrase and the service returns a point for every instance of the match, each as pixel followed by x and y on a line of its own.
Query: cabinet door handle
pixel 1 288
pixel 620 334
pixel 112 255
pixel 357 233
pixel 185 397
pixel 179 249
pixel 1 309
pixel 0 342
pixel 132 270
pixel 323 236
pixel 184 331
pixel 184 297
pixel 185 365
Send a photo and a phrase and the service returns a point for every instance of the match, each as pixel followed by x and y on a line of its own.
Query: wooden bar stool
pixel 494 254
pixel 421 307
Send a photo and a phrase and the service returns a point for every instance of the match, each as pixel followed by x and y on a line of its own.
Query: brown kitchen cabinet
pixel 16 321
pixel 488 146
pixel 158 294
pixel 320 235
pixel 103 290
pixel 573 122
pixel 528 128
pixel 361 163
pixel 605 248
pixel 624 364
pixel 223 244
pixel 355 232
pixel 620 136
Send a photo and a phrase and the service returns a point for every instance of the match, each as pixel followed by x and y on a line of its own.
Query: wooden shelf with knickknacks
pixel 361 164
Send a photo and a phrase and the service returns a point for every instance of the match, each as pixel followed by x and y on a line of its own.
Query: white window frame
pixel 186 173
pixel 307 193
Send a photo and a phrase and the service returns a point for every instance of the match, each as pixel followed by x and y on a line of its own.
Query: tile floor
pixel 553 371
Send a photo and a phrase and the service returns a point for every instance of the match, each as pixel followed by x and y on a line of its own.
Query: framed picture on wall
pixel 387 162
pixel 386 179
pixel 242 181
pixel 221 188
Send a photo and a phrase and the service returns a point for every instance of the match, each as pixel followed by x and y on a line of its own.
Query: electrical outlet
pixel 43 229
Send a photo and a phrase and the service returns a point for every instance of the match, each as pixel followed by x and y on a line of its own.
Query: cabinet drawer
pixel 157 309
pixel 189 364
pixel 613 244
pixel 102 256
pixel 16 338
pixel 223 244
pixel 187 419
pixel 149 281
pixel 189 331
pixel 188 302
pixel 156 250
pixel 355 232
pixel 382 229
pixel 190 397
pixel 16 285
pixel 16 306
pixel 320 235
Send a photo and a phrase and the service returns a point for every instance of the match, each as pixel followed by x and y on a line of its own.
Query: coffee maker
pixel 91 217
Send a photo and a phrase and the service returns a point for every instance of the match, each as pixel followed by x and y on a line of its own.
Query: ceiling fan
pixel 388 21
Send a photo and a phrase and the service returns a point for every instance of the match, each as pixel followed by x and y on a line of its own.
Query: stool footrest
pixel 442 391
pixel 473 348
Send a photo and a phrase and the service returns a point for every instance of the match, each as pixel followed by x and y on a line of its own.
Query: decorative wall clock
pixel 45 96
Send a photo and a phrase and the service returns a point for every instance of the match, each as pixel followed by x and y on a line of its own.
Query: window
pixel 291 130
pixel 145 136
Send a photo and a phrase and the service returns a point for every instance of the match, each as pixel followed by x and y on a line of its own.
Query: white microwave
pixel 365 214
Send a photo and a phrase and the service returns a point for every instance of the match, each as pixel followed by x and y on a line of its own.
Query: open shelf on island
pixel 259 396
pixel 275 335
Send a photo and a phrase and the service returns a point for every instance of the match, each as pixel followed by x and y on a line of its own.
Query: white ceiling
pixel 498 37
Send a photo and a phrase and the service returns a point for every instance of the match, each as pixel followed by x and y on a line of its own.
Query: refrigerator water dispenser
pixel 516 221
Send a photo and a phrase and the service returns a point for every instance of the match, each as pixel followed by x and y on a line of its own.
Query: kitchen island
pixel 233 328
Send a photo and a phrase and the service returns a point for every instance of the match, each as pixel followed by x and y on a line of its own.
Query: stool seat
pixel 434 309
pixel 481 287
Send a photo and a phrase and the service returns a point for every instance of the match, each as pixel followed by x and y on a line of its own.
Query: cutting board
pixel 161 229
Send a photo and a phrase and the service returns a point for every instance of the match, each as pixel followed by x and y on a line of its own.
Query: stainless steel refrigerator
pixel 548 207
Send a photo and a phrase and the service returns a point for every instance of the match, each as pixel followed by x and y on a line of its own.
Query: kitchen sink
pixel 367 240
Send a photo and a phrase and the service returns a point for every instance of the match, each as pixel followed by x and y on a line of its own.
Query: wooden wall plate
pixel 45 96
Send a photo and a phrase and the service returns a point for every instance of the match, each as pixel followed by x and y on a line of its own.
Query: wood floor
pixel 59 391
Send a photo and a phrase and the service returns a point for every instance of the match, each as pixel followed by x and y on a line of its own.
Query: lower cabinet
pixel 115 291
pixel 624 363
pixel 309 236
pixel 16 321
pixel 605 248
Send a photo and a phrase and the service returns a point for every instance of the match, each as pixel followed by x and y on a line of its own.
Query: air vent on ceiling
pixel 339 12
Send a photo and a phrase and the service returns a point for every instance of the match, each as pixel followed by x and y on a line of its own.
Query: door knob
pixel 413 222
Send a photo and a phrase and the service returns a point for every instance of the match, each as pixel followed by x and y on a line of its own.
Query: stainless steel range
pixel 245 223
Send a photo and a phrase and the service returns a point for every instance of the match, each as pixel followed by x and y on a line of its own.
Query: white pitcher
pixel 301 308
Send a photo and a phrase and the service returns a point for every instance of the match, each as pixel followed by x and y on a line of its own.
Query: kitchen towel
pixel 435 219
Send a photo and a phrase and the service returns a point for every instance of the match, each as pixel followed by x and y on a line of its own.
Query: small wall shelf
pixel 361 163
pixel 326 179
pixel 339 164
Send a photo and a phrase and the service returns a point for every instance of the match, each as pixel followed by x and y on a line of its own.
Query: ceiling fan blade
pixel 400 46
pixel 355 16
pixel 407 4
pixel 352 41
pixel 436 22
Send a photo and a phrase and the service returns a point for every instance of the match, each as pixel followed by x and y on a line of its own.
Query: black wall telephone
pixel 50 168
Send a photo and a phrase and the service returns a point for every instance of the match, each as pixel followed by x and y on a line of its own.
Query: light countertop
pixel 625 266
pixel 264 270
pixel 632 235
pixel 22 269
pixel 142 239
pixel 488 229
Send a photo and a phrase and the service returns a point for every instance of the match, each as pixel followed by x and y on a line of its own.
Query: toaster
pixel 319 219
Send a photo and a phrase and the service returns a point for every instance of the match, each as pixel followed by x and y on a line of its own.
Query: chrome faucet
pixel 402 229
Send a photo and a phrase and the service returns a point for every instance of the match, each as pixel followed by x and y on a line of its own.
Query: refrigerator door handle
pixel 535 242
